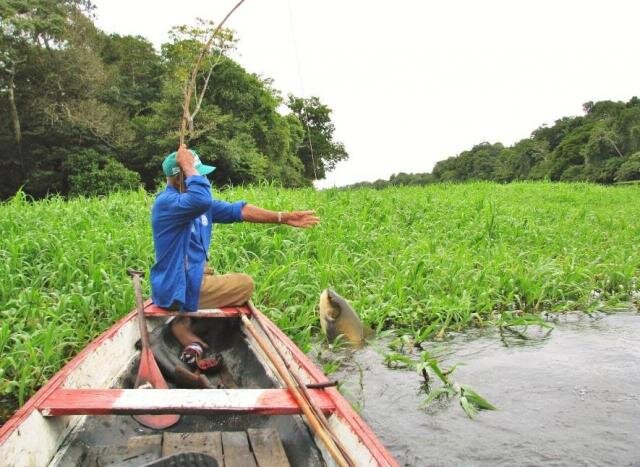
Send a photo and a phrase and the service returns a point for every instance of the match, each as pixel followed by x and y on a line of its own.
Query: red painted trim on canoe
pixel 170 401
pixel 343 408
pixel 58 379
pixel 154 311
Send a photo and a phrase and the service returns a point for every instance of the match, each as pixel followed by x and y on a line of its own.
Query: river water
pixel 567 398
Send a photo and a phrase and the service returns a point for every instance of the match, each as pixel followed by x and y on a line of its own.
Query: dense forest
pixel 602 146
pixel 85 112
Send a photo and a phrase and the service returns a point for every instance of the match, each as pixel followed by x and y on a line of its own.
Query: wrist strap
pixel 279 217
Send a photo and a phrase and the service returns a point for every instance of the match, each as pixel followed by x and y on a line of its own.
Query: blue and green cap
pixel 171 168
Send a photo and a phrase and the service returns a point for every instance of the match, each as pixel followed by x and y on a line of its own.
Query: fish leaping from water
pixel 337 317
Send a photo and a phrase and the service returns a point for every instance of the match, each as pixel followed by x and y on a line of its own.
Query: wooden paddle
pixel 149 375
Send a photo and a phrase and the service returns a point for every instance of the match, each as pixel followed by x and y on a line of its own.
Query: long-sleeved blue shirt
pixel 182 225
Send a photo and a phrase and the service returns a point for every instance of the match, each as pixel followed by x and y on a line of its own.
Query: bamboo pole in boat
pixel 301 384
pixel 341 459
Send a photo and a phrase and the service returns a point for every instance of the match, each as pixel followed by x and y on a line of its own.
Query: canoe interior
pixel 241 369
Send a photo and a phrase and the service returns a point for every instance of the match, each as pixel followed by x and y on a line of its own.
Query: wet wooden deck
pixel 251 448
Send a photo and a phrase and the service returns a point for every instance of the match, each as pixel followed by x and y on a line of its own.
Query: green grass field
pixel 424 259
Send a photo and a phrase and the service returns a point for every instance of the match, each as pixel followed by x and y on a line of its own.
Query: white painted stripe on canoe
pixel 132 401
pixel 190 399
pixel 105 364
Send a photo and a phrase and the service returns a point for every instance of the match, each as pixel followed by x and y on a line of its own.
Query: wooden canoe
pixel 88 403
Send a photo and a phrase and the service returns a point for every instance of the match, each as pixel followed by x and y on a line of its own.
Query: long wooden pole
pixel 186 113
pixel 312 419
pixel 301 384
pixel 194 74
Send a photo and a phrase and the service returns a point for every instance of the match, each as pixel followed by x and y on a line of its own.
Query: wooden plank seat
pixel 153 311
pixel 177 401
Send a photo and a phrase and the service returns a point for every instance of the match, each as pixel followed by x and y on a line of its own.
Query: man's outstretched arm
pixel 302 219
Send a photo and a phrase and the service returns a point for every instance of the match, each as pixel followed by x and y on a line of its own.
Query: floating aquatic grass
pixel 470 401
pixel 426 260
pixel 425 363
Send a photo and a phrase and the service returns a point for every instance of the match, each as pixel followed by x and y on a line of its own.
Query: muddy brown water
pixel 569 398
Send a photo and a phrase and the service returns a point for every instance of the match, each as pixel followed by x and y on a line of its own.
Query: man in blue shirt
pixel 182 221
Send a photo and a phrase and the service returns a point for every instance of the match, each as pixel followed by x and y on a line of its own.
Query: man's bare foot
pixel 181 330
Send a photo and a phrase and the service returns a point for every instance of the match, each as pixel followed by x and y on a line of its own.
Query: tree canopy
pixel 89 112
pixel 601 146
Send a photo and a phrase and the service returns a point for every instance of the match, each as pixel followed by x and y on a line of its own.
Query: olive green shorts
pixel 218 290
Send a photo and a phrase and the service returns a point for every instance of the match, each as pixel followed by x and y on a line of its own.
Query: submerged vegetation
pixel 424 260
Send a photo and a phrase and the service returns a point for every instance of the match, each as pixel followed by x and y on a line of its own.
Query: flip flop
pixel 192 355
pixel 209 364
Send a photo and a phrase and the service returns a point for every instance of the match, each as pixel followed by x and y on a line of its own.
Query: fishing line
pixel 295 50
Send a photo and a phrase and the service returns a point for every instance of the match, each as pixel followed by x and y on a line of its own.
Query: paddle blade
pixel 150 377
pixel 149 374
pixel 157 422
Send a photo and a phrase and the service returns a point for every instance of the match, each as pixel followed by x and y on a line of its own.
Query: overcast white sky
pixel 413 82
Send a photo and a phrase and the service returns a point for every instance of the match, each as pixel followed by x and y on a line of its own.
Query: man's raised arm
pixel 182 208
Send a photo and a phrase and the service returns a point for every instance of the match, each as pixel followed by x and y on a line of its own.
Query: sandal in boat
pixel 191 353
pixel 209 364
pixel 192 356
